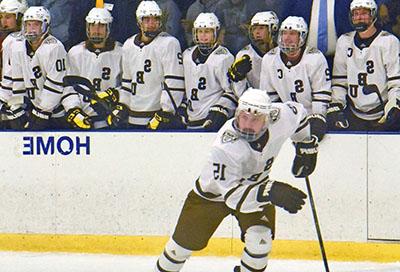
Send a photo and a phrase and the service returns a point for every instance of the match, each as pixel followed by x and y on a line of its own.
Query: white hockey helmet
pixel 147 9
pixel 13 6
pixel 297 24
pixel 37 13
pixel 98 16
pixel 266 18
pixel 257 103
pixel 366 4
pixel 206 20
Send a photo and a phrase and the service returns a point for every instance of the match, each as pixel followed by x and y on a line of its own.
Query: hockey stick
pixel 314 212
pixel 90 92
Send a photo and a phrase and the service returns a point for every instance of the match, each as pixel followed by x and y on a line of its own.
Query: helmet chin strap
pixel 362 27
pixel 151 34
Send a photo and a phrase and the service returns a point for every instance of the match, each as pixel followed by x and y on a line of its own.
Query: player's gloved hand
pixel 240 68
pixel 306 158
pixel 78 119
pixel 118 116
pixel 165 120
pixel 318 125
pixel 38 119
pixel 217 116
pixel 284 195
pixel 391 118
pixel 336 117
pixel 182 111
pixel 111 96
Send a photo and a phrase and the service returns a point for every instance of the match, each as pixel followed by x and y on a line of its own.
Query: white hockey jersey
pixel 148 71
pixel 39 75
pixel 368 77
pixel 237 171
pixel 102 67
pixel 207 84
pixel 6 80
pixel 253 77
pixel 307 82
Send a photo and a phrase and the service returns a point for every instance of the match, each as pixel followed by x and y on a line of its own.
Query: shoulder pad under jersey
pixel 312 50
pixel 164 34
pixel 50 40
pixel 273 51
pixel 221 51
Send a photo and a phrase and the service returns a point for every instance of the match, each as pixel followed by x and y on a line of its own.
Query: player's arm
pixel 265 78
pixel 16 102
pixel 335 113
pixel 54 70
pixel 306 144
pixel 173 89
pixel 120 112
pixel 71 100
pixel 226 105
pixel 321 96
pixel 391 118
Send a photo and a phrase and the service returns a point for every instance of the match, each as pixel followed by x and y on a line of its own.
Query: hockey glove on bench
pixel 336 117
pixel 391 118
pixel 78 119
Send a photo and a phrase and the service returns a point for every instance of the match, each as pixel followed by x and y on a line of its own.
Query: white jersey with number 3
pixel 307 82
pixel 237 171
pixel 368 76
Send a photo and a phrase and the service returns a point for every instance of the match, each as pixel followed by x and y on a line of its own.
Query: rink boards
pixel 121 192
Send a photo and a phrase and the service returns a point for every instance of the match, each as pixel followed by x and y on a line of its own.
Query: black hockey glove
pixel 240 68
pixel 306 158
pixel 336 117
pixel 284 195
pixel 78 119
pixel 118 116
pixel 391 118
pixel 217 116
pixel 39 120
pixel 318 125
pixel 165 120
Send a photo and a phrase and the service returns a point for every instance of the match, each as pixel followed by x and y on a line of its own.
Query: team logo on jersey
pixel 274 115
pixel 229 137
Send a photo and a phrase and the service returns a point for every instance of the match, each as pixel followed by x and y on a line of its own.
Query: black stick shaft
pixel 314 212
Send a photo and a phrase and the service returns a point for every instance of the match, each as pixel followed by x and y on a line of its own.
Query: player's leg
pixel 197 222
pixel 257 234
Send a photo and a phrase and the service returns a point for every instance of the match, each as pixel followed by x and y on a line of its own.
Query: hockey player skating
pixel 245 71
pixel 295 72
pixel 152 77
pixel 366 75
pixel 210 100
pixel 235 180
pixel 98 59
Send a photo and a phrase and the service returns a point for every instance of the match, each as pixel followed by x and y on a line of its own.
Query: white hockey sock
pixel 258 243
pixel 173 258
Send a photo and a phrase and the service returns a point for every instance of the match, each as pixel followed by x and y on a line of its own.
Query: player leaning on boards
pixel 98 59
pixel 296 72
pixel 152 75
pixel 366 75
pixel 11 13
pixel 38 63
pixel 209 99
pixel 235 180
pixel 245 71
